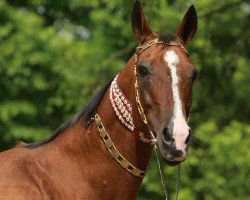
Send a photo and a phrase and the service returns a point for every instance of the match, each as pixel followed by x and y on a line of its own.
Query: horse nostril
pixel 166 135
pixel 189 138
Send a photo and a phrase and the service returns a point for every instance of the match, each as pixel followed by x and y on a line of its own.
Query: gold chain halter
pixel 139 50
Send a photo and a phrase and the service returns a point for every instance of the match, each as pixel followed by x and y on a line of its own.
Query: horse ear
pixel 188 25
pixel 140 26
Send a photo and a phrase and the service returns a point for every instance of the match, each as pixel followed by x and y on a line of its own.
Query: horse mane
pixel 86 113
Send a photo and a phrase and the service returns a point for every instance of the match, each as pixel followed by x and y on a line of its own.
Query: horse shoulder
pixel 15 176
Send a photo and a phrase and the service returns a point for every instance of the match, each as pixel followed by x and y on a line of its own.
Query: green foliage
pixel 55 54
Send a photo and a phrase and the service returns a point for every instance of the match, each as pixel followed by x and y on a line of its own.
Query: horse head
pixel 163 75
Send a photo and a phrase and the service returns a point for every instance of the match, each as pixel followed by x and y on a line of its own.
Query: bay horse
pixel 103 152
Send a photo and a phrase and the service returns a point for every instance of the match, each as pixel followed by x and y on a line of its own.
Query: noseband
pixel 124 163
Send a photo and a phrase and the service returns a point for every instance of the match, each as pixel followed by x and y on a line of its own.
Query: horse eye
pixel 143 71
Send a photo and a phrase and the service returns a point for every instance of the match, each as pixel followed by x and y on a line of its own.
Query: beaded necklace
pixel 123 110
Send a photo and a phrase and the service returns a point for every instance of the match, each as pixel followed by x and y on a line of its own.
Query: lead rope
pixel 163 180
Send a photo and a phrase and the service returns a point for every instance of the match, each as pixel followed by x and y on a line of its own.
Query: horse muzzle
pixel 168 146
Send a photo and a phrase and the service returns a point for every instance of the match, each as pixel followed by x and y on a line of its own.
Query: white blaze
pixel 180 128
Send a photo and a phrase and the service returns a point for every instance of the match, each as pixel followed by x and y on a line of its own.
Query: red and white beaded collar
pixel 123 110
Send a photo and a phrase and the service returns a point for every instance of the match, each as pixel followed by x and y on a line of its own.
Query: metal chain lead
pixel 163 182
pixel 178 181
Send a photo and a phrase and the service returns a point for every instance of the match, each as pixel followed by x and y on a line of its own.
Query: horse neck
pixel 136 152
pixel 86 146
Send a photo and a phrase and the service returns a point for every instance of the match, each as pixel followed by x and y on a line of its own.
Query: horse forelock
pixel 167 38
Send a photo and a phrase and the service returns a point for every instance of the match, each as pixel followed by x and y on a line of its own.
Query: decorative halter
pixel 139 50
pixel 123 110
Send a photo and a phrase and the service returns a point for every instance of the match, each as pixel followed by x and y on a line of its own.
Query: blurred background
pixel 54 55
